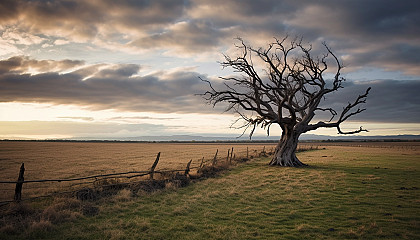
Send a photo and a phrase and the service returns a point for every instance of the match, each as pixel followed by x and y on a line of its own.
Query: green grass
pixel 346 193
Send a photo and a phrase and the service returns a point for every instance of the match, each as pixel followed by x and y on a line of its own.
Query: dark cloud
pixel 8 10
pixel 232 13
pixel 369 33
pixel 133 13
pixel 392 57
pixel 84 20
pixel 377 33
pixel 105 87
pixel 378 18
pixel 23 64
pixel 120 71
pixel 372 20
pixel 184 37
pixel 389 101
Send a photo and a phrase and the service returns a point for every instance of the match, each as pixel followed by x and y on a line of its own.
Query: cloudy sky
pixel 113 69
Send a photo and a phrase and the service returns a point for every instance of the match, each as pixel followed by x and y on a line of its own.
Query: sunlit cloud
pixel 87 119
pixel 101 86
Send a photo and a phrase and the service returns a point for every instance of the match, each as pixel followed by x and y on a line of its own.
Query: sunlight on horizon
pixel 37 120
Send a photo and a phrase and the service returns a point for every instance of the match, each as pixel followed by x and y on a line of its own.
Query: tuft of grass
pixel 123 195
pixel 19 210
pixel 352 193
pixel 32 220
pixel 40 226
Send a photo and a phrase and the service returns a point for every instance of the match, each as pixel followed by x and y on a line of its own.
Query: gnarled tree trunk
pixel 285 154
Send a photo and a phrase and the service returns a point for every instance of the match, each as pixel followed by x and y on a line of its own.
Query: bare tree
pixel 287 91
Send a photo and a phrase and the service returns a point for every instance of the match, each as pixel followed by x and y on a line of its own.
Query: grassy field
pixel 348 192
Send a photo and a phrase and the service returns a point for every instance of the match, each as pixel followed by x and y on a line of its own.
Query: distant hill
pixel 225 138
pixel 305 137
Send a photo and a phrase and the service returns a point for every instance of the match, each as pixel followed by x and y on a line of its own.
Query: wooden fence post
pixel 263 152
pixel 201 164
pixel 215 158
pixel 152 169
pixel 231 155
pixel 187 170
pixel 247 153
pixel 227 158
pixel 19 184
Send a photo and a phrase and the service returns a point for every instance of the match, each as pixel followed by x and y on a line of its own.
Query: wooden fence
pixel 130 174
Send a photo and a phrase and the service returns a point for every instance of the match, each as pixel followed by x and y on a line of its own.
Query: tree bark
pixel 285 153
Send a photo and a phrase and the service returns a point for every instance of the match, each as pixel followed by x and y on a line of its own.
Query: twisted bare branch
pixel 287 92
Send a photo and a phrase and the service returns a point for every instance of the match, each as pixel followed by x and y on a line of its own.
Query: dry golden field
pixel 62 160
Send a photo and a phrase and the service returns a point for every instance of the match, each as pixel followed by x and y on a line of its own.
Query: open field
pixel 55 160
pixel 348 192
